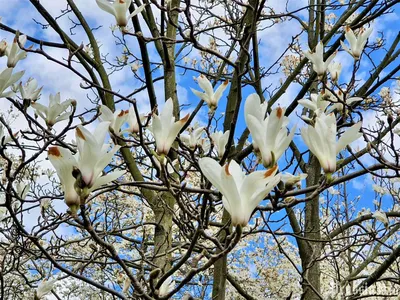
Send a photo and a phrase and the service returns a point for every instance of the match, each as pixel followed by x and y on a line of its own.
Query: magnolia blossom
pixel 381 216
pixel 293 180
pixel 167 286
pixel 44 288
pixel 379 189
pixel 220 140
pixel 56 111
pixel 270 134
pixel 254 107
pixel 357 43
pixel 209 96
pixel 94 155
pixel 192 139
pixel 165 129
pixel 133 123
pixel 333 191
pixel 22 189
pixel 240 193
pixel 317 58
pixel 119 9
pixel 321 140
pixel 7 78
pixel 14 52
pixel 315 102
pixel 29 90
pixel 338 100
pixel 116 119
pixel 127 284
pixel 335 68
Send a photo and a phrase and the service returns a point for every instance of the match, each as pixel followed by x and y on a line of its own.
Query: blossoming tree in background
pixel 194 160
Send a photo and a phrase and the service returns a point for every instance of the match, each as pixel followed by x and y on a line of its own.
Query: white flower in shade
pixel 293 180
pixel 3 48
pixel 220 140
pixel 335 68
pixel 315 102
pixel 165 129
pixel 317 58
pixel 208 95
pixel 167 286
pixel 22 189
pixel 119 9
pixel 45 288
pixel 381 216
pixel 379 189
pixel 14 52
pixel 29 90
pixel 133 124
pixel 135 66
pixel 321 140
pixel 116 119
pixel 357 43
pixel 270 134
pixel 240 193
pixel 127 285
pixel 56 111
pixel 205 144
pixel 94 155
pixel 7 78
pixel 339 99
pixel 191 140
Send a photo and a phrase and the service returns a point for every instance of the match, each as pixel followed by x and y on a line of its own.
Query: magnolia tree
pixel 199 149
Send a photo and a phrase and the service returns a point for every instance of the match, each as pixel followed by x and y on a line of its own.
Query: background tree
pixel 276 176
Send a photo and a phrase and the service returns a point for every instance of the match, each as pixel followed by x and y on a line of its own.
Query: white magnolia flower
pixel 317 58
pixel 14 52
pixel 94 155
pixel 381 216
pixel 357 43
pixel 191 140
pixel 209 96
pixel 133 124
pixel 127 285
pixel 119 9
pixel 29 90
pixel 205 144
pixel 335 68
pixel 255 108
pixel 321 140
pixel 379 189
pixel 44 288
pixel 135 66
pixel 116 119
pixel 270 134
pixel 55 112
pixel 315 102
pixel 293 180
pixel 22 189
pixel 7 78
pixel 240 193
pixel 333 191
pixel 220 140
pixel 165 129
pixel 338 101
pixel 45 203
pixel 167 286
